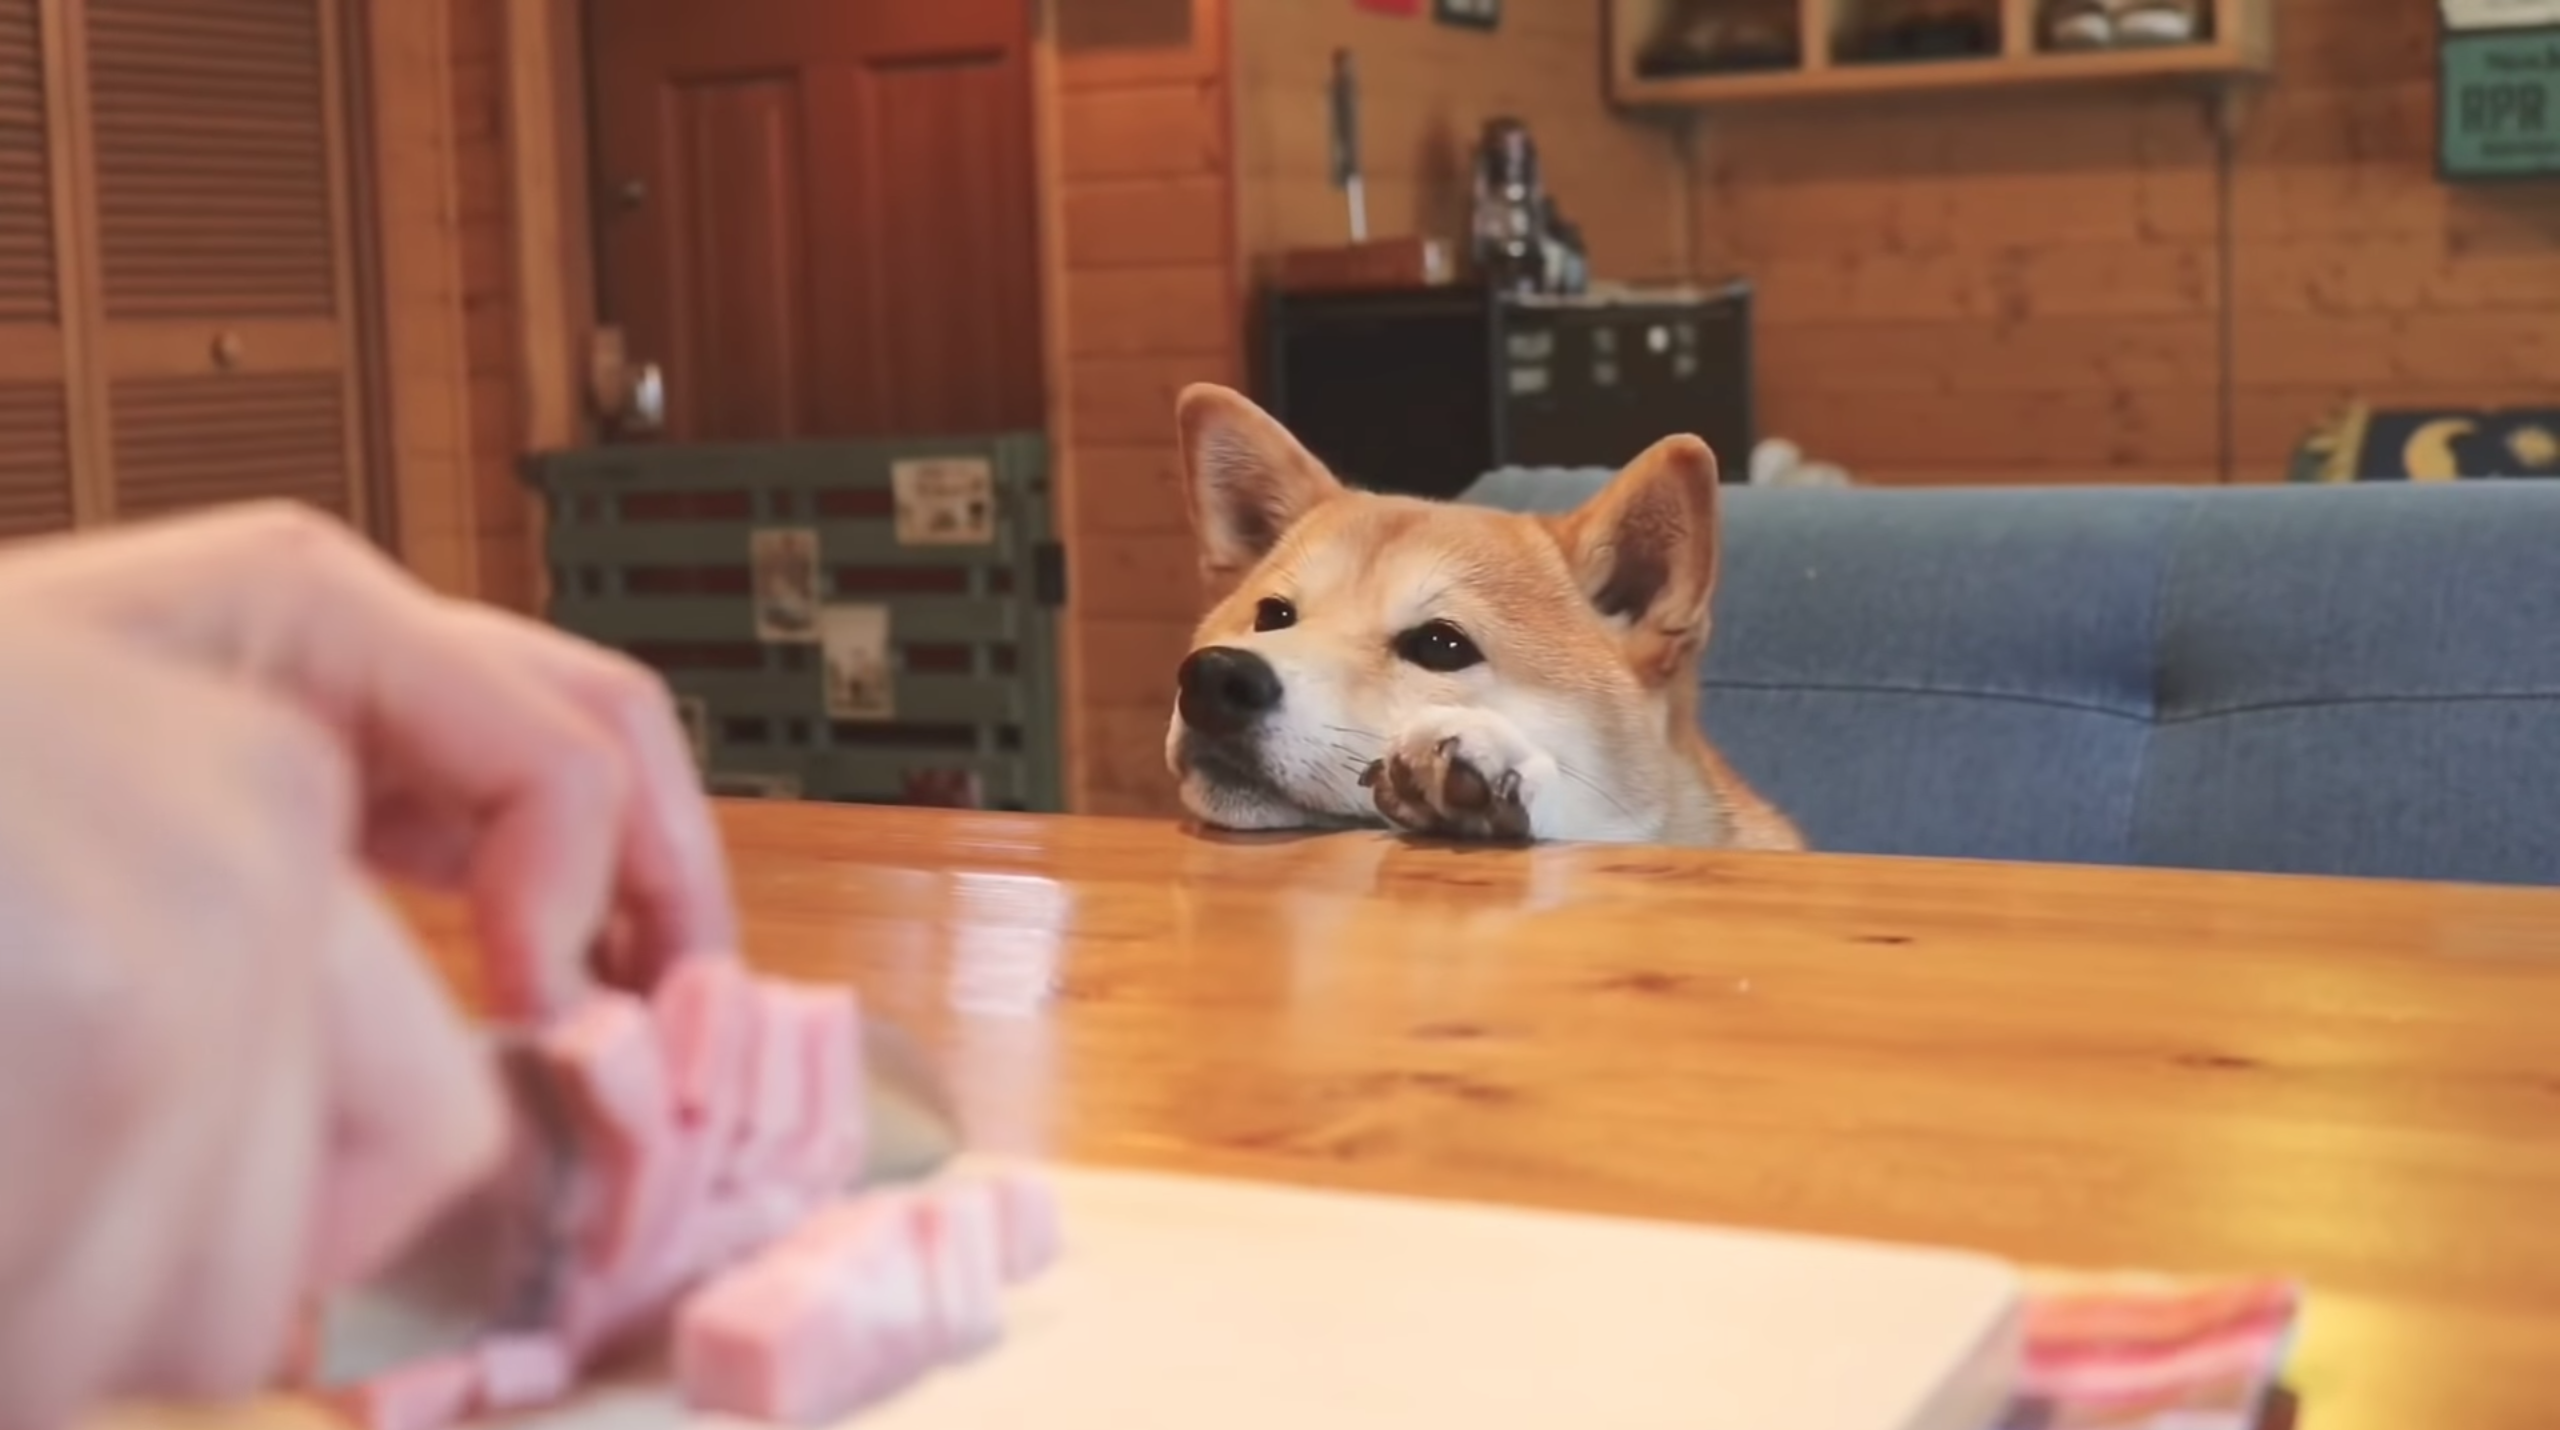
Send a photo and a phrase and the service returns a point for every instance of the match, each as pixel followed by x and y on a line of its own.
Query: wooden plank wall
pixel 2357 273
pixel 490 313
pixel 2033 288
pixel 427 373
pixel 1426 90
pixel 1143 298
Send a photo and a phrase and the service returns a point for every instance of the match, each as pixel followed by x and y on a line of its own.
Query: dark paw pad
pixel 1448 796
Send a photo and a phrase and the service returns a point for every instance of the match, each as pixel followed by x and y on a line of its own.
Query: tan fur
pixel 1590 626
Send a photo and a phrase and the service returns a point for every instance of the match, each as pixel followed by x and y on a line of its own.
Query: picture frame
pixel 2497 103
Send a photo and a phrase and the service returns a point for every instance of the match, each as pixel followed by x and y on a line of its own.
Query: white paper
pixel 945 501
pixel 1189 1304
pixel 783 565
pixel 858 677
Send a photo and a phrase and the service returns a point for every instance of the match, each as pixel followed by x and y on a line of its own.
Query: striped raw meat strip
pixel 2135 1351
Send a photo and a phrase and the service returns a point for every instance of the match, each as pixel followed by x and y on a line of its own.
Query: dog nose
pixel 1225 689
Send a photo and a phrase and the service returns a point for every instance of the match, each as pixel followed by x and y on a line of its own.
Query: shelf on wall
pixel 2238 44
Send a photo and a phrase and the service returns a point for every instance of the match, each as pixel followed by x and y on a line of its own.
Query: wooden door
pixel 177 314
pixel 817 216
pixel 225 287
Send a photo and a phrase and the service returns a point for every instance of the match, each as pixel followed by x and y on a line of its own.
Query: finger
pixel 226 1316
pixel 293 600
pixel 674 877
pixel 419 841
pixel 414 1113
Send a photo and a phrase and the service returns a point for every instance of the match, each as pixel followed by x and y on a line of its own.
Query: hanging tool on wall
pixel 1344 93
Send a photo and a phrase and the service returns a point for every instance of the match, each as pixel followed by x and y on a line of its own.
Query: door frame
pixel 413 228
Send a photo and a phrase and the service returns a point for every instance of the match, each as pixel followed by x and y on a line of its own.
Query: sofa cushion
pixel 2361 680
pixel 2357 680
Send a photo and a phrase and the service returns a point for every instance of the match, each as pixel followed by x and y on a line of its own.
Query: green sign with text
pixel 2499 92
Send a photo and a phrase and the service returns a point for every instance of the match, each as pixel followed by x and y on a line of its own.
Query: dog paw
pixel 1460 774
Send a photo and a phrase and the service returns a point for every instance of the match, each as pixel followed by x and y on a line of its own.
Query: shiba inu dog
pixel 1450 671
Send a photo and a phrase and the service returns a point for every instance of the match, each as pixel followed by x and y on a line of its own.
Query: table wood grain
pixel 2358 1083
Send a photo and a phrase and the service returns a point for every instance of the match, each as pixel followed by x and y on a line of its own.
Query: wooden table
pixel 2358 1083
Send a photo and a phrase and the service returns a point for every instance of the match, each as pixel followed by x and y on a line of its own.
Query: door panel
pixel 190 441
pixel 35 427
pixel 819 216
pixel 736 187
pixel 227 341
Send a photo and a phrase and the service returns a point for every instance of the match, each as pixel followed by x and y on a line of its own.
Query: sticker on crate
pixel 742 784
pixel 783 562
pixel 857 675
pixel 945 501
pixel 695 717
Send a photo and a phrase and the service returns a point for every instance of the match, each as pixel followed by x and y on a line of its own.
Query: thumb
pixel 413 1103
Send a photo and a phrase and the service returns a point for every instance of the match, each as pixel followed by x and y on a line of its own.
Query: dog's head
pixel 1341 615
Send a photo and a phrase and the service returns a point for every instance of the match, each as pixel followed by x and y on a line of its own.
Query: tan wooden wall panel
pixel 1143 271
pixel 1426 90
pixel 504 534
pixel 2358 274
pixel 2032 288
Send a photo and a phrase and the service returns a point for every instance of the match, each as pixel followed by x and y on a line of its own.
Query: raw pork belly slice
pixel 1028 1210
pixel 960 1232
pixel 706 1011
pixel 424 1396
pixel 722 1122
pixel 864 1299
pixel 520 1372
pixel 831 1319
pixel 607 1054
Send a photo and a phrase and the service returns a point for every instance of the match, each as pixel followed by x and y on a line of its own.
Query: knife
pixel 1343 96
pixel 496 1260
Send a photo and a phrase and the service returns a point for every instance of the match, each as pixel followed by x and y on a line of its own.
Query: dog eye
pixel 1439 647
pixel 1274 614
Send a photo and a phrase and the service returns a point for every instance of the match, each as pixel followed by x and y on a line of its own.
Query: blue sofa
pixel 2353 679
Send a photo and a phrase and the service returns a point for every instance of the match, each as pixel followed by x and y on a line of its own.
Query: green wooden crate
pixel 821 644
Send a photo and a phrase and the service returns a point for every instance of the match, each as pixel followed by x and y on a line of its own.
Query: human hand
pixel 546 776
pixel 230 1076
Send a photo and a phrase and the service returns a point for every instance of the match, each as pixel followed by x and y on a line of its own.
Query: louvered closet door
pixel 227 334
pixel 35 425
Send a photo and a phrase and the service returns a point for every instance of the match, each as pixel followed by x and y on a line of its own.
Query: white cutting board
pixel 1189 1304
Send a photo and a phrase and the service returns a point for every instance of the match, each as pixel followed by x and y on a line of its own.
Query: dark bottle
pixel 1510 210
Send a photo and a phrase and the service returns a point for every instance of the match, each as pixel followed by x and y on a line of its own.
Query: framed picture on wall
pixel 1473 14
pixel 2498 104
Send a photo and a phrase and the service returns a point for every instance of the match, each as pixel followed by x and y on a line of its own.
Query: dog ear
pixel 1644 548
pixel 1249 479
